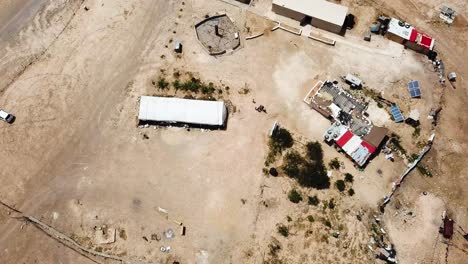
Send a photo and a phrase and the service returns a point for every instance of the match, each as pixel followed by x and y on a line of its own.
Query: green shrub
pixel 334 164
pixel 308 174
pixel 351 192
pixel 288 218
pixel 293 163
pixel 313 200
pixel 283 230
pixel 328 223
pixel 294 196
pixel 310 218
pixel 162 84
pixel 331 204
pixel 282 139
pixel 314 151
pixel 349 177
pixel 340 185
pixel 176 84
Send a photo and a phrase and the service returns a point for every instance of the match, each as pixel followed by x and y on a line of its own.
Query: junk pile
pixel 380 244
pixel 447 14
pixel 439 67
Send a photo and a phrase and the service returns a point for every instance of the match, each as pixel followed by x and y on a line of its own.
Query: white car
pixel 9 118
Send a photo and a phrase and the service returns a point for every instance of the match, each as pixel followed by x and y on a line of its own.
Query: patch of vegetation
pixel 162 83
pixel 313 200
pixel 283 230
pixel 314 151
pixel 288 218
pixel 396 142
pixel 310 218
pixel 417 132
pixel 351 192
pixel 278 142
pixel 308 172
pixel 340 185
pixel 327 223
pixel 424 170
pixel 294 196
pixel 331 204
pixel 349 177
pixel 334 164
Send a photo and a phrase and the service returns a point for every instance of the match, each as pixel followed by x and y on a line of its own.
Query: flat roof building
pixel 407 35
pixel 185 111
pixel 323 14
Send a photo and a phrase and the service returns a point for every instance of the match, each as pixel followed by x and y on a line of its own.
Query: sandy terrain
pixel 76 159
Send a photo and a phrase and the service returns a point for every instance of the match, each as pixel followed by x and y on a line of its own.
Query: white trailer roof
pixel 320 9
pixel 177 110
pixel 3 114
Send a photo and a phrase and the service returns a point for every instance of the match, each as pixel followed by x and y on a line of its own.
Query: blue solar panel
pixel 414 89
pixel 397 115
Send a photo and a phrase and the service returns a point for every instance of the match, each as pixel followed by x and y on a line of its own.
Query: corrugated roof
pixel 320 9
pixel 177 110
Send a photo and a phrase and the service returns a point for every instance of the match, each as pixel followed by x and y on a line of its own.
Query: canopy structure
pixel 186 111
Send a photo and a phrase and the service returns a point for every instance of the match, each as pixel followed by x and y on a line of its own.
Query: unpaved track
pixel 62 100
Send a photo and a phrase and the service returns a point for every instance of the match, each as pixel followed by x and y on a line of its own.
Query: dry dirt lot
pixel 76 159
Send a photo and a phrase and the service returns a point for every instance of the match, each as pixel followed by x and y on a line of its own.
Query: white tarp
pixel 177 110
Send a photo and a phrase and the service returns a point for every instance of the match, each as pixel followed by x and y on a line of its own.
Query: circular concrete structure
pixel 218 34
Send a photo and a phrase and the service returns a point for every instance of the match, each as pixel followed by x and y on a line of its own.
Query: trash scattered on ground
pixel 165 249
pixel 169 234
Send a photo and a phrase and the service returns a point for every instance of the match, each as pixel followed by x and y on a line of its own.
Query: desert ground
pixel 72 72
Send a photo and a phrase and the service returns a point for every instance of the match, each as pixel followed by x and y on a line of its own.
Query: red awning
pixel 368 146
pixel 413 36
pixel 344 139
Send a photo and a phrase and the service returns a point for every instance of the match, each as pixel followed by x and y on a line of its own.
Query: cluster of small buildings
pixel 351 131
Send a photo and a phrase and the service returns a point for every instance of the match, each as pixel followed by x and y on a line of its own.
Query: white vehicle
pixel 9 118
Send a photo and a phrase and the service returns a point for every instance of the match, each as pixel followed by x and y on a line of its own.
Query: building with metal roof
pixel 321 13
pixel 355 147
pixel 407 35
pixel 184 111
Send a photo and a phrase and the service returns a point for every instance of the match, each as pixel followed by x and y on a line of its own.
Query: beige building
pixel 322 14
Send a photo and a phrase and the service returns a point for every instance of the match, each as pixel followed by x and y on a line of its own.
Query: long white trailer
pixel 186 111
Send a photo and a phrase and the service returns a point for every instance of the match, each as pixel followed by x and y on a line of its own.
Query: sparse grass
pixel 310 218
pixel 331 204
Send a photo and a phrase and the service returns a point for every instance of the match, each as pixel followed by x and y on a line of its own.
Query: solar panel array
pixel 414 89
pixel 397 115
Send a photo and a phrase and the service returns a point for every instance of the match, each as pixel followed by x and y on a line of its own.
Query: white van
pixel 9 118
